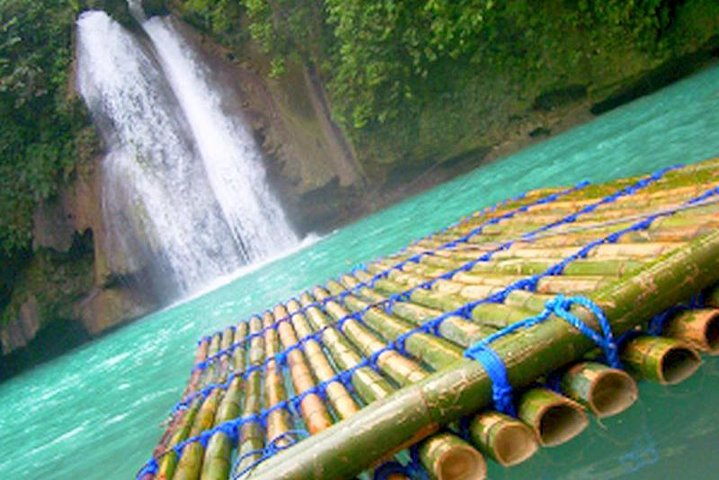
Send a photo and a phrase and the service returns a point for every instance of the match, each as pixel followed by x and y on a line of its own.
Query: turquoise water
pixel 95 412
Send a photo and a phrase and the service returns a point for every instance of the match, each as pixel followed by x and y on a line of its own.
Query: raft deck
pixel 489 339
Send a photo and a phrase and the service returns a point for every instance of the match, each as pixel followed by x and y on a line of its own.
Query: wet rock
pixel 22 328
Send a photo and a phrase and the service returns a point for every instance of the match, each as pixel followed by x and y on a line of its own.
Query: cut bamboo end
pixel 553 418
pixel 448 457
pixel 506 440
pixel 699 328
pixel 664 360
pixel 604 391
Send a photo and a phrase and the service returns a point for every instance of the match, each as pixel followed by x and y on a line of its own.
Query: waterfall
pixel 185 198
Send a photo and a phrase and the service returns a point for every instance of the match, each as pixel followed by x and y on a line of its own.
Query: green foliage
pixel 40 121
pixel 396 70
pixel 643 20
pixel 217 16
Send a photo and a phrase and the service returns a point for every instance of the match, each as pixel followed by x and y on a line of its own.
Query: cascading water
pixel 185 197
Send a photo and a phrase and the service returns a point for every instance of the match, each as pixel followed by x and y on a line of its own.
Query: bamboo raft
pixel 489 339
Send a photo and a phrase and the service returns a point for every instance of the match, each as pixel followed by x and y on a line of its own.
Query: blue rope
pixel 559 306
pixel 150 468
pixel 658 322
pixel 497 371
pixel 272 448
pixel 414 468
pixel 386 470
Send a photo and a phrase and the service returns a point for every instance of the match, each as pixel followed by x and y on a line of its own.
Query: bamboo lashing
pixel 400 327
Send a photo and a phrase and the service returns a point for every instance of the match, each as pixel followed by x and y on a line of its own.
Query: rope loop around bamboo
pixel 559 306
pixel 273 447
pixel 658 322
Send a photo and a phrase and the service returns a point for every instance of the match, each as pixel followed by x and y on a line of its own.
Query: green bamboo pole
pixel 217 462
pixel 211 373
pixel 313 410
pixel 251 435
pixel 346 448
pixel 699 328
pixel 279 421
pixel 200 356
pixel 532 267
pixel 342 402
pixel 472 286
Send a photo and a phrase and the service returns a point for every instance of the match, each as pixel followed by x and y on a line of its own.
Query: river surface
pixel 94 413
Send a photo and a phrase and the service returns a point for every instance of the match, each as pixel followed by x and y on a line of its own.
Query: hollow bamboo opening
pixel 699 328
pixel 711 333
pixel 677 364
pixel 612 392
pixel 560 423
pixel 513 444
pixel 461 463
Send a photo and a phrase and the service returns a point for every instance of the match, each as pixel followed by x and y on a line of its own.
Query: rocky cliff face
pixel 66 279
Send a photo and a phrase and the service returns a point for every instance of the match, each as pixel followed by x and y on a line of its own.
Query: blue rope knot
pixel 205 437
pixel 281 357
pixel 357 316
pixel 250 370
pixel 271 449
pixel 397 297
pixel 497 371
pixel 375 355
pixel 560 306
pixel 345 378
pixel 230 430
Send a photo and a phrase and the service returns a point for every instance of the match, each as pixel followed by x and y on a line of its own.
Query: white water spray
pixel 185 197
